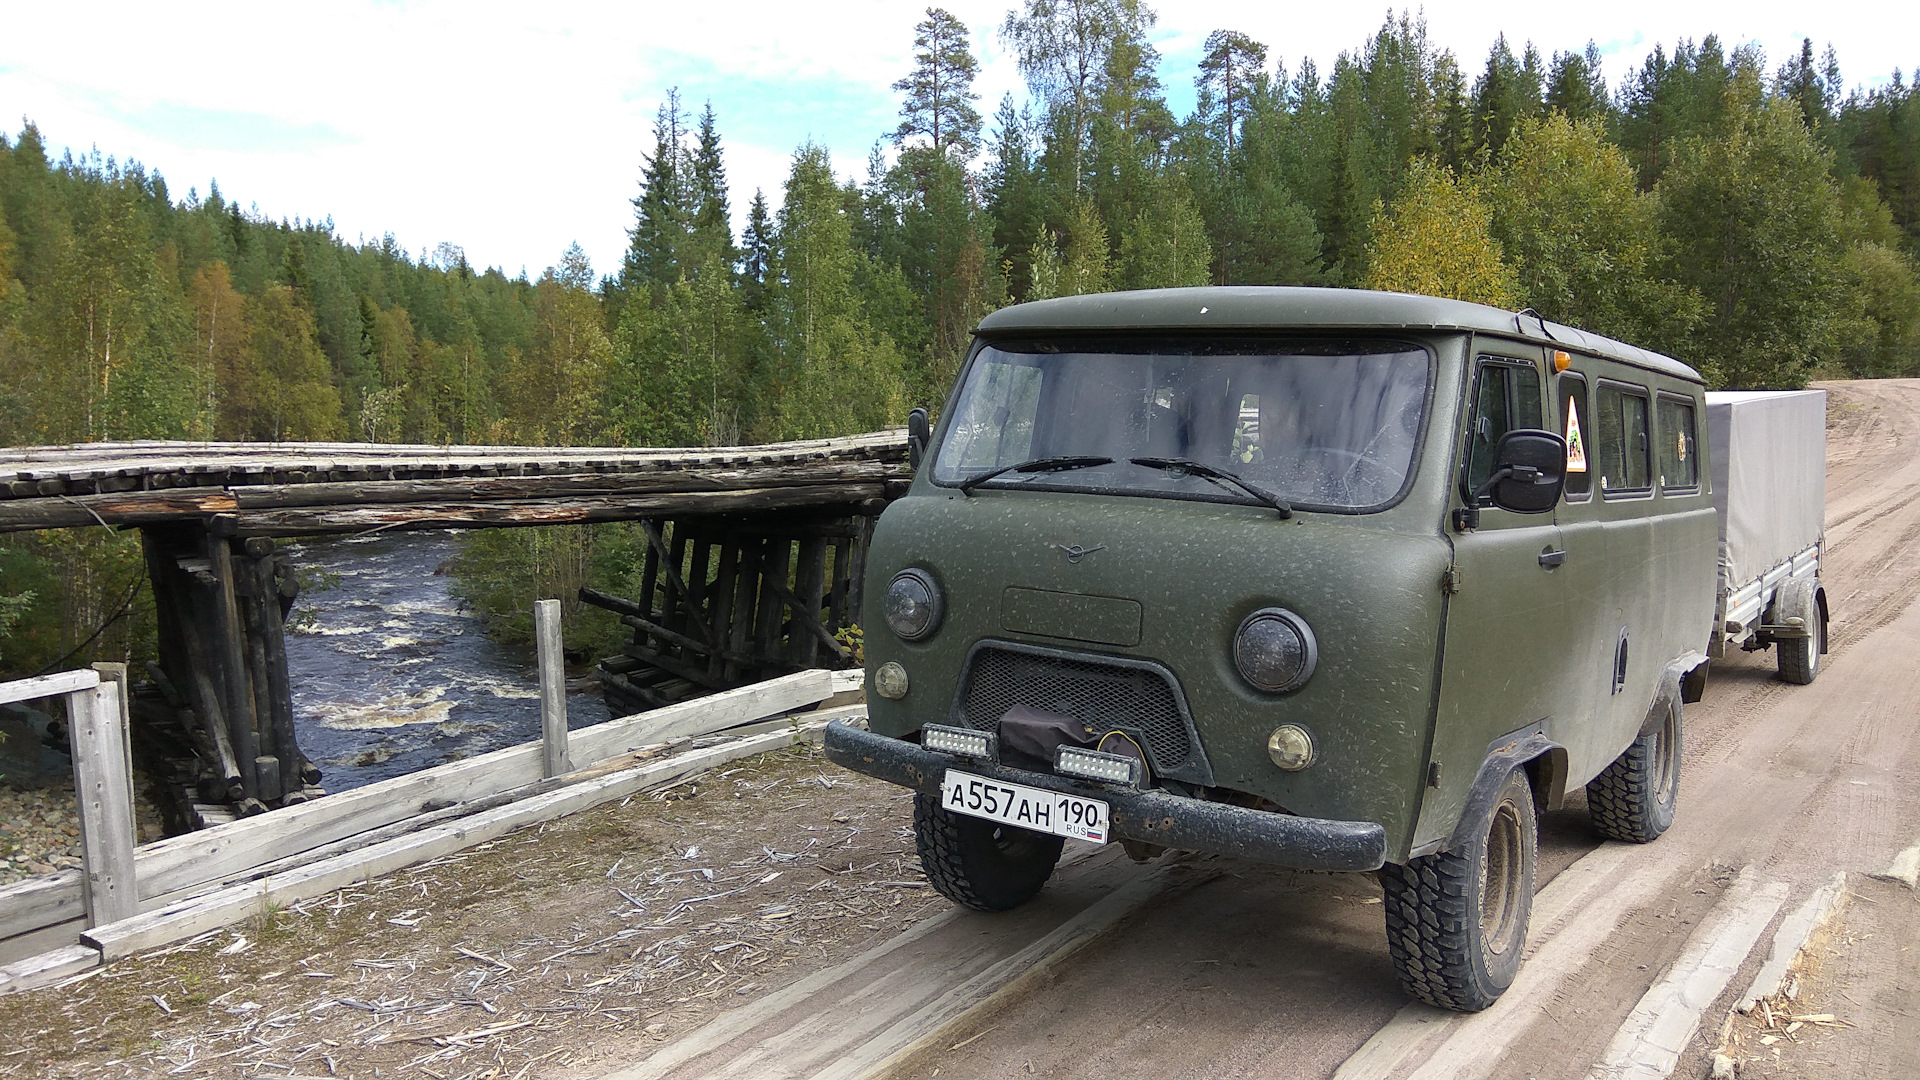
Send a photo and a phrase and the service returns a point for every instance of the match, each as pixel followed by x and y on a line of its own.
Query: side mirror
pixel 919 430
pixel 1529 468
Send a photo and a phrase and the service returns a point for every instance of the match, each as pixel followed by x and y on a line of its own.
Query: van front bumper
pixel 1152 817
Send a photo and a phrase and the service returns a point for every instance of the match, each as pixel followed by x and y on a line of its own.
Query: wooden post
pixel 117 674
pixel 553 688
pixel 230 654
pixel 104 783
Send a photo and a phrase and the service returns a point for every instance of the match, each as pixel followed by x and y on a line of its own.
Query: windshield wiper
pixel 1045 464
pixel 1214 476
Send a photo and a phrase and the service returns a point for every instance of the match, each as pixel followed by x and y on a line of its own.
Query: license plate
pixel 1027 807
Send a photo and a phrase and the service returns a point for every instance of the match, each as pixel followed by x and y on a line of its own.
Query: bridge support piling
pixel 221 603
pixel 730 599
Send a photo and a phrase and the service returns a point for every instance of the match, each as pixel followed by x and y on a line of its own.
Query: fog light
pixel 890 681
pixel 1096 765
pixel 960 742
pixel 1290 747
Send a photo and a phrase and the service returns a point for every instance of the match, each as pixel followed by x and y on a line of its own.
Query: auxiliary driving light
pixel 1096 765
pixel 960 742
pixel 1290 747
pixel 890 681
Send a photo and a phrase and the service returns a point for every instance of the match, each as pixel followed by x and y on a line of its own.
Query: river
pixel 390 675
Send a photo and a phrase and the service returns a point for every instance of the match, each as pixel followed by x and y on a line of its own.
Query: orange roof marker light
pixel 1561 361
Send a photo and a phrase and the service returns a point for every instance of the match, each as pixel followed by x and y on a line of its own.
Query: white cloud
pixel 514 129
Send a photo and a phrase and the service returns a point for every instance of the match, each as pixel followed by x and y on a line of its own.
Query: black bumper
pixel 1153 817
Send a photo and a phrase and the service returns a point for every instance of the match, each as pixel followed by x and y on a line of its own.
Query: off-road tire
pixel 1799 658
pixel 980 864
pixel 1633 799
pixel 1457 920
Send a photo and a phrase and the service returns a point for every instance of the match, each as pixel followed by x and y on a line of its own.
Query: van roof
pixel 1262 307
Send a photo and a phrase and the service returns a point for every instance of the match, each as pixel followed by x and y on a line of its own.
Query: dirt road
pixel 1217 967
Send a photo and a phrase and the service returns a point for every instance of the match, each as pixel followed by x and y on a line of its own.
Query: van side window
pixel 1507 398
pixel 1575 422
pixel 1620 439
pixel 1679 448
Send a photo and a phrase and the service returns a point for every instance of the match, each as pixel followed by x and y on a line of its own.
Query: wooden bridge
pixel 753 563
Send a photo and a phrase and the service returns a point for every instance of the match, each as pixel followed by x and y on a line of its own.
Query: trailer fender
pixel 1529 748
pixel 1826 620
pixel 1795 603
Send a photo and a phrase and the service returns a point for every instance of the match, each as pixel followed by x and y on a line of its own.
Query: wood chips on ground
pixel 621 926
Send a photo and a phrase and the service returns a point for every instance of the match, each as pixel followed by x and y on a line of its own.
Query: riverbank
pixel 40 828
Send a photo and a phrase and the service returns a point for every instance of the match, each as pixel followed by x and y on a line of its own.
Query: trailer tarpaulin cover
pixel 1769 477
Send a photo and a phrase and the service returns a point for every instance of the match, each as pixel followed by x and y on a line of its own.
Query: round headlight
pixel 912 605
pixel 1275 650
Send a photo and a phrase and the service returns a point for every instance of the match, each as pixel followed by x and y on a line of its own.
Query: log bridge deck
pixel 753 562
pixel 305 489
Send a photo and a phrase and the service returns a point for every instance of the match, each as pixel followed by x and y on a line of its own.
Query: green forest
pixel 1749 215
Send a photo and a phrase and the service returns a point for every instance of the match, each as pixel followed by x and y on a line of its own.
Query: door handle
pixel 1552 557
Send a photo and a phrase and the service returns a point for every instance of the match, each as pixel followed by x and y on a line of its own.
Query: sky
pixel 515 129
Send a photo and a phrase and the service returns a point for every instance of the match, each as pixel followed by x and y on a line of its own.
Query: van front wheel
pixel 1457 920
pixel 981 864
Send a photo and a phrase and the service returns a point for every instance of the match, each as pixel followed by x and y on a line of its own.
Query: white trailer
pixel 1769 464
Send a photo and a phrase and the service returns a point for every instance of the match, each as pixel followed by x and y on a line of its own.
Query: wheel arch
pixel 1529 748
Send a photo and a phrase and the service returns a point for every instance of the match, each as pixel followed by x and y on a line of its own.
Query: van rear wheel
pixel 1457 920
pixel 981 864
pixel 1633 799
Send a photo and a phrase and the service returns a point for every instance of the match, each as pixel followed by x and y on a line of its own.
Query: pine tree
pixel 1230 75
pixel 662 214
pixel 1013 197
pixel 711 226
pixel 1575 86
pixel 939 90
pixel 1507 93
pixel 756 257
pixel 1802 82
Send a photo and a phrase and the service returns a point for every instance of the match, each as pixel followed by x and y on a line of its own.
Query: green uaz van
pixel 1325 578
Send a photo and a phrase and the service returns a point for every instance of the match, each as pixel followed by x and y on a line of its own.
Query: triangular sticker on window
pixel 1576 446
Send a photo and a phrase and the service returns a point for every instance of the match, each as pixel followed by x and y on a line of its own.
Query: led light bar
pixel 961 742
pixel 1095 765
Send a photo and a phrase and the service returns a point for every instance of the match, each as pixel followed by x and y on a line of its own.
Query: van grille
pixel 1136 697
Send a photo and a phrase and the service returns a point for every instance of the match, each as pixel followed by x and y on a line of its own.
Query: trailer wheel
pixel 1457 920
pixel 1799 658
pixel 1633 798
pixel 981 864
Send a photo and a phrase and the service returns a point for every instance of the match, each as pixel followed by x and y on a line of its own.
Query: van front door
pixel 1505 625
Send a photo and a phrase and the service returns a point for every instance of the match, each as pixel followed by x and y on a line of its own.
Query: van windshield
pixel 1329 425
